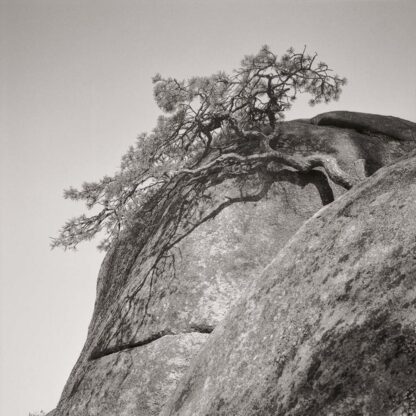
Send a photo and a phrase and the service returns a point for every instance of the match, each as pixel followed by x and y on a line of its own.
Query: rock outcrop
pixel 329 328
pixel 133 371
pixel 148 327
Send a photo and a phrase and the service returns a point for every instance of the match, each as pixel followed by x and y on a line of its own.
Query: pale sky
pixel 76 91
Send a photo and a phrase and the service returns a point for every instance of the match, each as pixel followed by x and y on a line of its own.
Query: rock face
pixel 329 328
pixel 148 327
pixel 133 366
pixel 132 381
pixel 373 124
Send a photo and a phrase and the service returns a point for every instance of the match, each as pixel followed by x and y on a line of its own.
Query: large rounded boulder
pixel 145 331
pixel 329 327
pixel 150 321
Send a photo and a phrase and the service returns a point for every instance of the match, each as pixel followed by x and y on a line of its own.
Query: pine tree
pixel 223 127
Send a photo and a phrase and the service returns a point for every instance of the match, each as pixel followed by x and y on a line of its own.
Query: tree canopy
pixel 213 129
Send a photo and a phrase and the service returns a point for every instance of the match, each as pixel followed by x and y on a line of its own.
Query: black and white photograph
pixel 208 207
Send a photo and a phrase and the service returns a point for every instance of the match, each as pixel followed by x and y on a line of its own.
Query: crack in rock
pixel 203 329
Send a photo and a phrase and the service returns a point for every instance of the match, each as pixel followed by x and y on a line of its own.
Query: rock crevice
pixel 201 329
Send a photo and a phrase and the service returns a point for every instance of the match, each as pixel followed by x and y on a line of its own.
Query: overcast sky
pixel 76 91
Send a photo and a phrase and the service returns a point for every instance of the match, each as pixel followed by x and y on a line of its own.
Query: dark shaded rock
pixel 390 126
pixel 362 143
pixel 329 326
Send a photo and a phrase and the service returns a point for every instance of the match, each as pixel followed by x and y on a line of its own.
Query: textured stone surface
pixel 213 267
pixel 132 381
pixel 132 308
pixel 329 328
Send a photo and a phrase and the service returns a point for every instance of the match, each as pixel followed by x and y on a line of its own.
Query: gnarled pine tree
pixel 217 128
